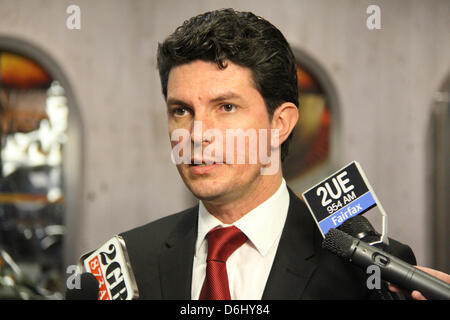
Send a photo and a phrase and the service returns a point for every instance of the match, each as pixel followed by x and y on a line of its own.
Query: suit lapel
pixel 176 260
pixel 293 266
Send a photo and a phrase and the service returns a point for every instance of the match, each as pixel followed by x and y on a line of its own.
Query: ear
pixel 284 119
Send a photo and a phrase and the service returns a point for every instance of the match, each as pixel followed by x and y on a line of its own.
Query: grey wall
pixel 385 80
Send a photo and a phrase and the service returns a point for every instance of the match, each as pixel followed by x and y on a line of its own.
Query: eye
pixel 228 107
pixel 180 111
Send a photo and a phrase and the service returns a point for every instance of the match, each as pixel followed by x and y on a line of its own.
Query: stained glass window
pixel 310 145
pixel 33 124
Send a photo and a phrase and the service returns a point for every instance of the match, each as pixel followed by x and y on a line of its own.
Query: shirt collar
pixel 262 225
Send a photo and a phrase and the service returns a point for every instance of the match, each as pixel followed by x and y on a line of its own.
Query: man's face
pixel 219 99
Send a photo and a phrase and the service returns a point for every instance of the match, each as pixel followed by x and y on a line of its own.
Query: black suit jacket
pixel 162 253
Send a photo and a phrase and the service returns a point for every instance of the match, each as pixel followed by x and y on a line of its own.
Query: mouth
pixel 203 167
pixel 203 163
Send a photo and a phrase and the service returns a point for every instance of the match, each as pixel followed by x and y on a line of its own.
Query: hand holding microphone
pixel 417 295
pixel 360 228
pixel 392 269
pixel 346 195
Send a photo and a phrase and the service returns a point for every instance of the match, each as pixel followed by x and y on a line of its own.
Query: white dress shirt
pixel 249 266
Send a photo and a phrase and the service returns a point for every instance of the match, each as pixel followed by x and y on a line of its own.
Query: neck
pixel 230 210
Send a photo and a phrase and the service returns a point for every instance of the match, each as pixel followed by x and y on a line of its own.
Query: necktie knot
pixel 222 242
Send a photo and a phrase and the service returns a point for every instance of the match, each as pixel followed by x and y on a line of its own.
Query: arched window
pixel 312 151
pixel 34 138
pixel 438 154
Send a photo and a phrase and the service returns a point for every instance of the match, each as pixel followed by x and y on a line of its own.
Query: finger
pixel 394 288
pixel 416 295
pixel 438 274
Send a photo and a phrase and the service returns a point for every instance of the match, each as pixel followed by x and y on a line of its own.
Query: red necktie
pixel 222 242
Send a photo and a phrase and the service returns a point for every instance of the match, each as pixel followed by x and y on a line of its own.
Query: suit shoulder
pixel 402 251
pixel 159 229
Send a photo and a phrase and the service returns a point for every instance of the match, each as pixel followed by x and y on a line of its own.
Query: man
pixel 226 70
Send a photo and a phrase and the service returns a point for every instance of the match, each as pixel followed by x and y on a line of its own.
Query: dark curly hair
pixel 242 38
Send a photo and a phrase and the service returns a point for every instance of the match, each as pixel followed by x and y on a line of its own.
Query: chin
pixel 225 182
pixel 205 191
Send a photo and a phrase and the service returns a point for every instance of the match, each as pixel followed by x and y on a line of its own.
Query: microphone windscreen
pixel 358 227
pixel 338 243
pixel 88 289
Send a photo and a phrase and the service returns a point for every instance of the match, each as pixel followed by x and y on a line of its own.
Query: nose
pixel 202 123
pixel 197 132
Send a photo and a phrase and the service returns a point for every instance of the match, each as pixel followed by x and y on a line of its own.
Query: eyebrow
pixel 177 102
pixel 225 96
pixel 221 97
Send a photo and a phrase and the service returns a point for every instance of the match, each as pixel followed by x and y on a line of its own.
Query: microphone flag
pixel 111 266
pixel 341 196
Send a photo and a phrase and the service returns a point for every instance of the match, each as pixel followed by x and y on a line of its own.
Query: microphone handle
pixel 398 272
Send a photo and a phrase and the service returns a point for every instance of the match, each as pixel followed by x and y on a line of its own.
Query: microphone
pixel 88 289
pixel 392 269
pixel 360 228
pixel 111 267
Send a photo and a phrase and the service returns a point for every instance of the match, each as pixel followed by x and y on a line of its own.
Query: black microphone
pixel 392 269
pixel 360 228
pixel 88 289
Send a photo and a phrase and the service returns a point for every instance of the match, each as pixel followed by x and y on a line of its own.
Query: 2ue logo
pixel 339 197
